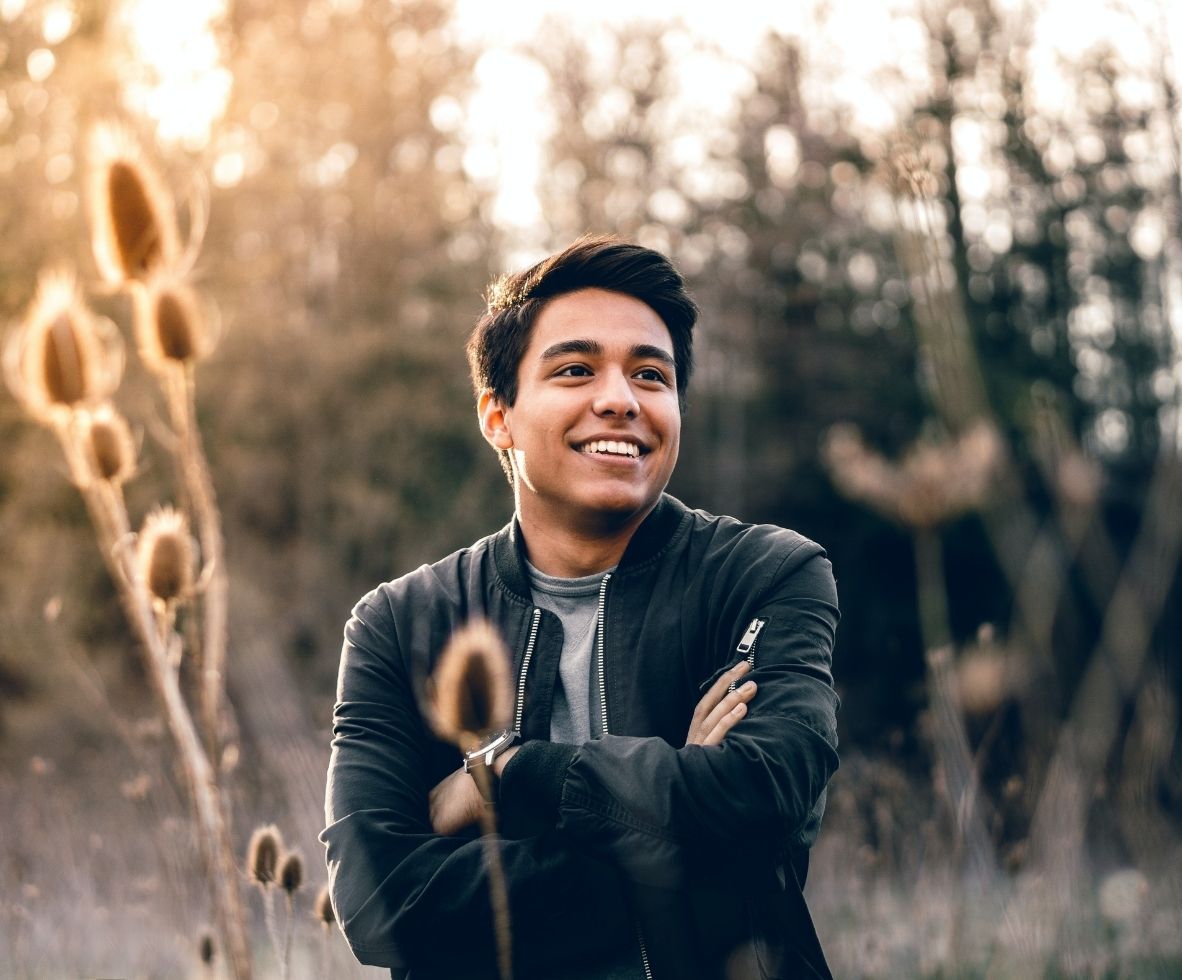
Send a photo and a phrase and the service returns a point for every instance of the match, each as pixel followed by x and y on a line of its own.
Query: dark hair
pixel 501 335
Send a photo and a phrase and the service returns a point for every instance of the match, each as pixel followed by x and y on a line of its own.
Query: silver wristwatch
pixel 494 744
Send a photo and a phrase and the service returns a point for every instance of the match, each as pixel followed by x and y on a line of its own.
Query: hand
pixel 455 803
pixel 719 711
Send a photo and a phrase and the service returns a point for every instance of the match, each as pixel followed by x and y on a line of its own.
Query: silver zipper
pixel 529 652
pixel 747 643
pixel 600 633
pixel 648 971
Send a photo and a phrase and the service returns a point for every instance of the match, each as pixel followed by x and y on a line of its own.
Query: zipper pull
pixel 746 645
pixel 752 634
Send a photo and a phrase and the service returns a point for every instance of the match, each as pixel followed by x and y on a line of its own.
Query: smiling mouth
pixel 612 447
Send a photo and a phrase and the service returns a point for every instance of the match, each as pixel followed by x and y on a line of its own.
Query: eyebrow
pixel 592 348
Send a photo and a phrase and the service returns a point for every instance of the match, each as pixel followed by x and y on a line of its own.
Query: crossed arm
pixel 407 873
pixel 456 803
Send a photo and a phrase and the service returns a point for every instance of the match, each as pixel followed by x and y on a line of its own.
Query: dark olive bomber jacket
pixel 695 854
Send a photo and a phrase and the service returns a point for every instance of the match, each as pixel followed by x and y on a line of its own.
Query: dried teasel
pixel 262 855
pixel 132 216
pixel 107 444
pixel 171 327
pixel 910 168
pixel 206 948
pixel 322 910
pixel 61 357
pixel 471 691
pixel 164 555
pixel 988 674
pixel 291 872
pixel 860 473
pixel 931 484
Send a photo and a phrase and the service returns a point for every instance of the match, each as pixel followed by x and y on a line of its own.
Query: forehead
pixel 616 321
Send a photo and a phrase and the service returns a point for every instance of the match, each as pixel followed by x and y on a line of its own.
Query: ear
pixel 494 421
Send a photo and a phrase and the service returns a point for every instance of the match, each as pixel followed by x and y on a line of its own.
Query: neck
pixel 568 551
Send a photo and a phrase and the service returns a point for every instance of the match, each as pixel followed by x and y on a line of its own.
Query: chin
pixel 620 506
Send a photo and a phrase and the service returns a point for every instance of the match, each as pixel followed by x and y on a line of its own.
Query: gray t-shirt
pixel 574 718
pixel 575 715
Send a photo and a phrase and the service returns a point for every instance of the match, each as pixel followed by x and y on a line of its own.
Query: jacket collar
pixel 650 538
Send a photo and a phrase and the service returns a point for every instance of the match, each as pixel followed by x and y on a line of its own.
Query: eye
pixel 652 374
pixel 573 371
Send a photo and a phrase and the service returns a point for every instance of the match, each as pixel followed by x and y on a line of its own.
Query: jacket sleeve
pixel 716 815
pixel 404 895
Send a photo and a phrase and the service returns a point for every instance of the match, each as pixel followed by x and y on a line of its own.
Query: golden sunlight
pixel 872 59
pixel 173 72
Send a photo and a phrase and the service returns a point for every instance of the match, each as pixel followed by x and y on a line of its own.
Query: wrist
pixel 502 760
pixel 481 761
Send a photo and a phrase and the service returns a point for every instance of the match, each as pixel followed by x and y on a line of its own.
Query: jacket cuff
pixel 531 788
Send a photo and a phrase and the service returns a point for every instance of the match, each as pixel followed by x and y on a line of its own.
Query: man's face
pixel 595 429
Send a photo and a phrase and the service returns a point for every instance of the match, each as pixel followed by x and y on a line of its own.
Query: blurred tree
pixel 349 251
pixel 345 254
pixel 609 161
pixel 1055 230
pixel 1047 232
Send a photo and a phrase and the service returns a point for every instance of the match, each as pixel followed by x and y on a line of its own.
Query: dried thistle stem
pixel 288 930
pixel 972 847
pixel 194 469
pixel 322 911
pixel 498 890
pixel 291 877
pixel 273 927
pixel 471 695
pixel 109 517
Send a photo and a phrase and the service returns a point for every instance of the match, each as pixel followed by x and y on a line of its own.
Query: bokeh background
pixel 936 244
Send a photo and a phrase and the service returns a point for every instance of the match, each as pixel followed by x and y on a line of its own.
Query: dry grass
pixel 890 899
pixel 102 875
pixel 120 892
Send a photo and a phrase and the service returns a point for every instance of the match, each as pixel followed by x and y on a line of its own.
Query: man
pixel 675 722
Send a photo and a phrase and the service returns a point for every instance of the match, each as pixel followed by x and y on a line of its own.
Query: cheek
pixel 540 436
pixel 672 428
pixel 674 449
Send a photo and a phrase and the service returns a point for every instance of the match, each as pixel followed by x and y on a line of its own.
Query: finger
pixel 739 695
pixel 705 726
pixel 726 723
pixel 718 689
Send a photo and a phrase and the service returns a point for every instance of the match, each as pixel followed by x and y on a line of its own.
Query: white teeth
pixel 612 446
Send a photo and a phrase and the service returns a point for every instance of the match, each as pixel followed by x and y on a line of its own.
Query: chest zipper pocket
pixel 746 647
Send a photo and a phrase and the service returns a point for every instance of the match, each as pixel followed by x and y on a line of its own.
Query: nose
pixel 614 396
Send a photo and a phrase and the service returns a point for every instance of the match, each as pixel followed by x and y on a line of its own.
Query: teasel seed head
pixel 164 554
pixel 61 357
pixel 108 445
pixel 931 484
pixel 206 948
pixel 322 908
pixel 911 167
pixel 262 855
pixel 171 328
pixel 471 691
pixel 291 872
pixel 132 215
